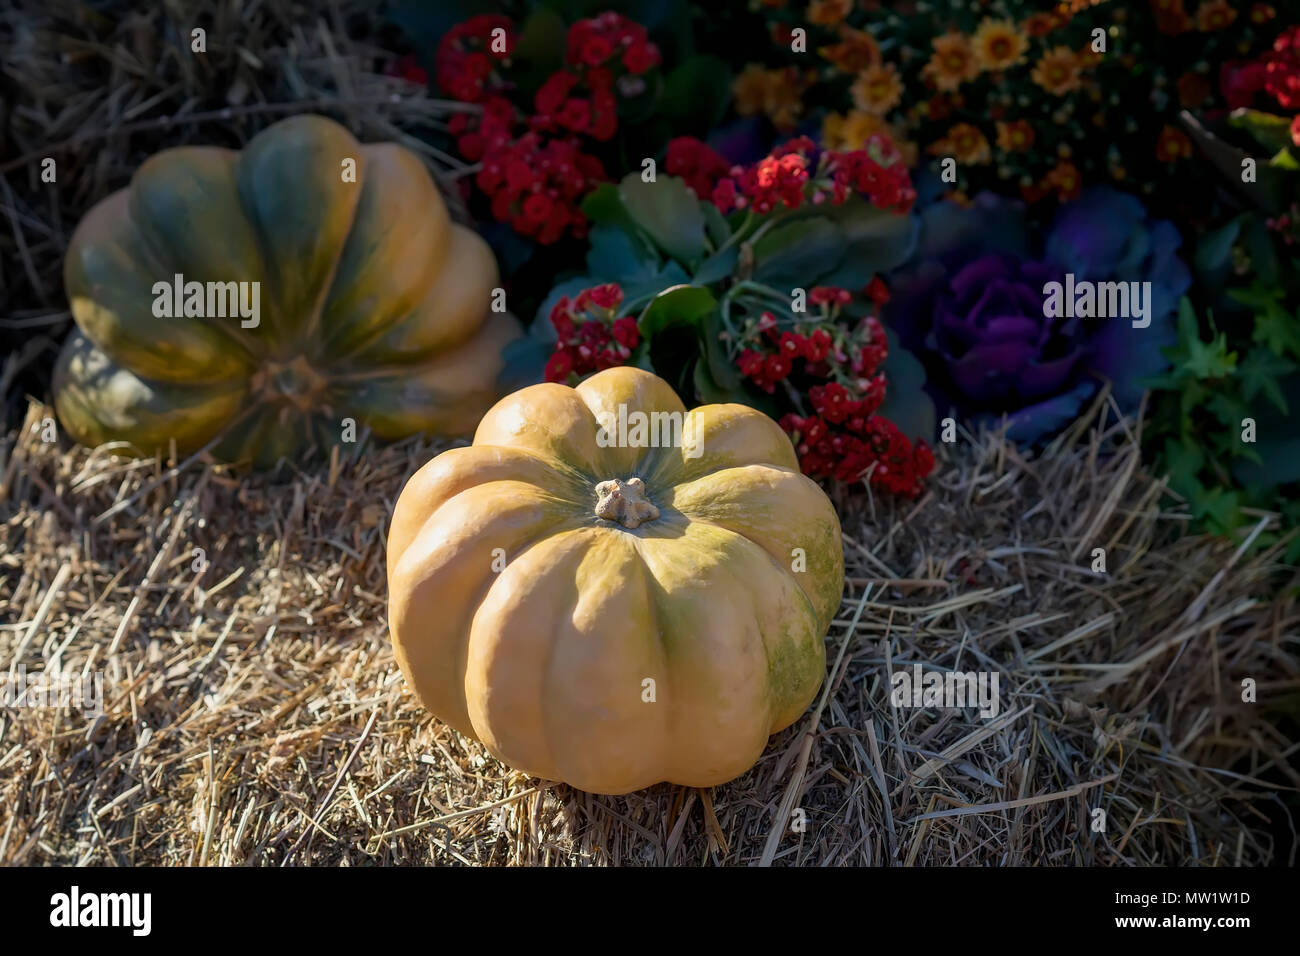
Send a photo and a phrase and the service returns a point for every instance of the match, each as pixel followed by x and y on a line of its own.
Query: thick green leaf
pixel 718 266
pixel 796 254
pixel 525 361
pixel 906 402
pixel 616 257
pixel 721 370
pixel 1214 252
pixel 681 305
pixel 878 241
pixel 1270 131
pixel 715 224
pixel 668 212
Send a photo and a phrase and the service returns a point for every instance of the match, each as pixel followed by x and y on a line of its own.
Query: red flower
pixel 625 330
pixel 817 346
pixel 696 163
pixel 792 345
pixel 877 291
pixel 559 366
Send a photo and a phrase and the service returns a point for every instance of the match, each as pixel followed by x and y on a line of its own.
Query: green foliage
pixel 1206 405
pixel 692 275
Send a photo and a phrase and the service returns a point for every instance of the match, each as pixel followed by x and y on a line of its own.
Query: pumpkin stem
pixel 624 502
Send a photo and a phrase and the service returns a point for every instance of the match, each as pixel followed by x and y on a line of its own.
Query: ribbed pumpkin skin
pixel 374 304
pixel 543 659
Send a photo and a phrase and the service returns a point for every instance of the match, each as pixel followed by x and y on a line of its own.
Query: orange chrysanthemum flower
pixel 878 89
pixel 1173 145
pixel 856 51
pixel 1064 178
pixel 1057 71
pixel 827 13
pixel 1214 15
pixel 776 94
pixel 952 63
pixel 964 143
pixel 1041 24
pixel 1015 137
pixel 999 44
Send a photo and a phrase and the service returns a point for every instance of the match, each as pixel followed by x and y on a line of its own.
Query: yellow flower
pixel 854 130
pixel 1058 71
pixel 827 13
pixel 878 89
pixel 952 63
pixel 999 44
pixel 964 143
pixel 777 94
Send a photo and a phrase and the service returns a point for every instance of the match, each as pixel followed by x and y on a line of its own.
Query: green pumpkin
pixel 371 304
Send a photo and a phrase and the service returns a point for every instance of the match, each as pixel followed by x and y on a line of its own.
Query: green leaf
pixel 1278 332
pixel 1205 360
pixel 1261 372
pixel 524 363
pixel 1183 462
pixel 1214 251
pixel 1271 132
pixel 878 241
pixel 683 305
pixel 795 254
pixel 721 370
pixel 616 257
pixel 1277 441
pixel 906 402
pixel 715 224
pixel 668 212
pixel 1285 159
pixel 695 95
pixel 718 266
pixel 1229 409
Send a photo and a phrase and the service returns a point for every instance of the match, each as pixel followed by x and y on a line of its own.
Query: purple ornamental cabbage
pixel 971 306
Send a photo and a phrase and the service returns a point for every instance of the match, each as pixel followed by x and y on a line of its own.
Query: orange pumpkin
pixel 608 613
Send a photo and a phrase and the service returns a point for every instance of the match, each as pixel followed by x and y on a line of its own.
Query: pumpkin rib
pixel 458 469
pixel 468 268
pixel 609 673
pixel 272 173
pixel 761 499
pixel 523 420
pixel 445 395
pixel 408 264
pixel 759 553
pixel 443 539
pixel 166 254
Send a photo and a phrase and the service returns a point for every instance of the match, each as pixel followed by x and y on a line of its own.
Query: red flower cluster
pixel 534 168
pixel 536 185
pixel 866 446
pixel 827 350
pixel 588 336
pixel 844 438
pixel 695 162
pixel 1282 69
pixel 607 37
pixel 1276 72
pixel 466 62
pixel 796 172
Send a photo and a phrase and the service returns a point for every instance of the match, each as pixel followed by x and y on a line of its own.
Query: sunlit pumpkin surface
pixel 538 581
pixel 374 305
